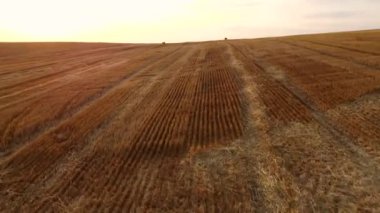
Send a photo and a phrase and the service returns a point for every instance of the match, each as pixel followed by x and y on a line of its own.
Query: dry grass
pixel 271 125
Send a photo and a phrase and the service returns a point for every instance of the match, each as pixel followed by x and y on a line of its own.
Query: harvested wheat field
pixel 289 124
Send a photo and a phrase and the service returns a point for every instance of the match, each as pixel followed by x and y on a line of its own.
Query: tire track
pixel 368 171
pixel 344 48
pixel 273 93
pixel 372 67
pixel 322 119
pixel 48 126
pixel 122 162
pixel 21 162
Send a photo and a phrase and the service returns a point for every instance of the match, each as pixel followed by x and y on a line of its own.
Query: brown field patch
pixel 287 124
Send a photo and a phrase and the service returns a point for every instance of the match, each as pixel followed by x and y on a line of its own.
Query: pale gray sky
pixel 179 20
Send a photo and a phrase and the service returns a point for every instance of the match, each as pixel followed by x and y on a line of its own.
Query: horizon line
pixel 196 41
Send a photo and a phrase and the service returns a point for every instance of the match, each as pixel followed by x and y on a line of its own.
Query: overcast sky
pixel 179 20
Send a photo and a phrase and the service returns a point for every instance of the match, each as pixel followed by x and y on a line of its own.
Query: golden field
pixel 287 124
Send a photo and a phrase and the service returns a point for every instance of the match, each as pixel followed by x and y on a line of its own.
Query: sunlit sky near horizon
pixel 179 20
